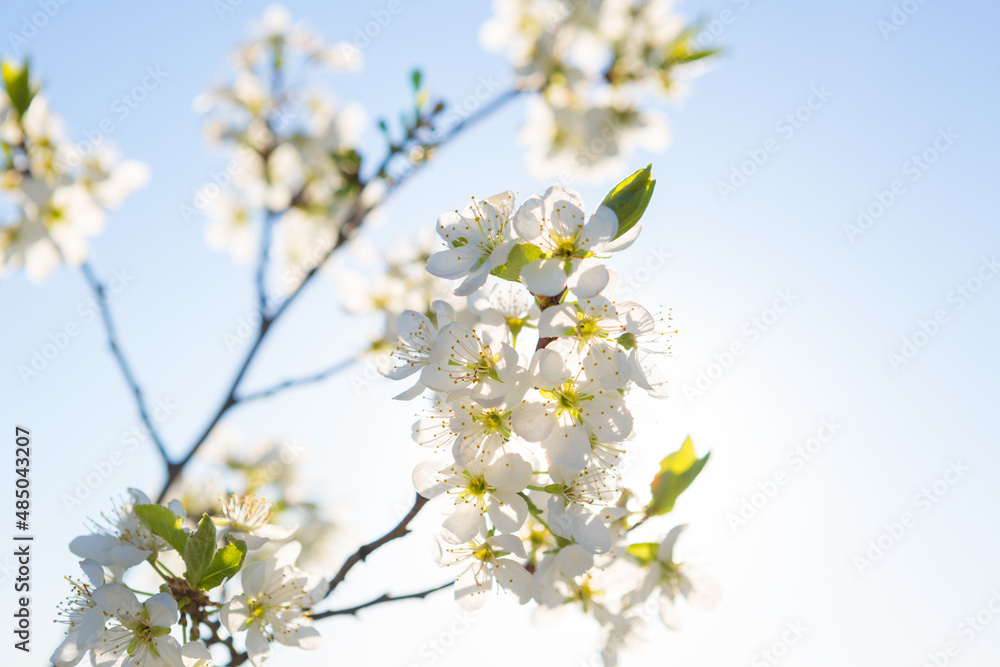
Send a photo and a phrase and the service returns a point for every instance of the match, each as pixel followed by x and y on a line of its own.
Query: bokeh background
pixel 897 430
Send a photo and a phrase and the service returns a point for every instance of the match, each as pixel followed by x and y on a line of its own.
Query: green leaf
pixel 630 198
pixel 521 254
pixel 644 552
pixel 416 77
pixel 164 523
pixel 199 550
pixel 17 81
pixel 677 471
pixel 226 563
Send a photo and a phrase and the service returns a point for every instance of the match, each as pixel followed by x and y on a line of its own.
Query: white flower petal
pixel 544 276
pixel 588 279
pixel 514 579
pixel 235 614
pixel 162 610
pixel 116 600
pixel 258 648
pixel 507 511
pixel 509 472
pixel 669 614
pixel 473 587
pixel 574 560
pixel 195 654
pixel 464 523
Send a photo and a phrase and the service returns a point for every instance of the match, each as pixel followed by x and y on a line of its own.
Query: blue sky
pixel 853 299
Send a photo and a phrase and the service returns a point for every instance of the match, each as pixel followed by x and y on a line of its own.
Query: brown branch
pixel 126 369
pixel 296 382
pixel 353 611
pixel 400 530
pixel 239 657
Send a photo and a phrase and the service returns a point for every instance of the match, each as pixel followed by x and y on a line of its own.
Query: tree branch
pixel 265 255
pixel 385 597
pixel 356 217
pixel 296 382
pixel 123 364
pixel 400 530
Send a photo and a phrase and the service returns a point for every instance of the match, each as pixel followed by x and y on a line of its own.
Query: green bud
pixel 17 81
pixel 630 198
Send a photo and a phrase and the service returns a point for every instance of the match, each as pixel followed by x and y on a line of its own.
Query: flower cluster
pixel 294 163
pixel 122 626
pixel 594 64
pixel 530 431
pixel 512 330
pixel 55 192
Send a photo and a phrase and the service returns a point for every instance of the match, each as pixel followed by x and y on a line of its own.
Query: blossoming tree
pixel 506 329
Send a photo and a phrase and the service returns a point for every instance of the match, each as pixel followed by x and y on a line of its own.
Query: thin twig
pixel 239 657
pixel 123 364
pixel 296 382
pixel 265 255
pixel 386 597
pixel 400 530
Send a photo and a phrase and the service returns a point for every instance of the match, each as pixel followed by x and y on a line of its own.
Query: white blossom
pixel 274 607
pixel 557 225
pixel 120 541
pixel 138 635
pixel 479 359
pixel 248 519
pixel 486 562
pixel 83 618
pixel 565 409
pixel 476 490
pixel 671 579
pixel 478 239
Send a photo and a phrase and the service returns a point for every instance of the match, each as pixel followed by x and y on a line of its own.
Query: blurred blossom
pixel 295 144
pixel 595 66
pixel 54 193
